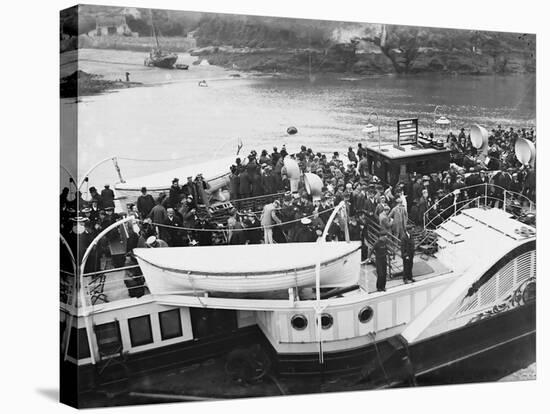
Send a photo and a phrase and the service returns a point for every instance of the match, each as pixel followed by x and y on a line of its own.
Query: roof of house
pixel 110 20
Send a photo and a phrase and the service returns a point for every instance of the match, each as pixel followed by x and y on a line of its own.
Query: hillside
pixel 298 45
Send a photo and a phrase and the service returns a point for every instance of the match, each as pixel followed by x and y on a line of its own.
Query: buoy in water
pixel 291 130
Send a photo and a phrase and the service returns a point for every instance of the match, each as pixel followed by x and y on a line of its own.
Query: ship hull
pixel 421 363
pixel 166 62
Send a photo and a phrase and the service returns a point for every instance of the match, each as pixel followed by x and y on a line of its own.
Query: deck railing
pixel 510 201
pixel 483 193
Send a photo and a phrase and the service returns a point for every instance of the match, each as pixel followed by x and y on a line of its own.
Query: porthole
pixel 299 322
pixel 365 314
pixel 326 321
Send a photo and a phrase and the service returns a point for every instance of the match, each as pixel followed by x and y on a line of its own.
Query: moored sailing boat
pixel 158 57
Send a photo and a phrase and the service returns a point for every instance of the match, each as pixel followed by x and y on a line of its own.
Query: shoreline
pixel 80 84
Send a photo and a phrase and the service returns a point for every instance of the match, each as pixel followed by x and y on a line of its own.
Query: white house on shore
pixel 111 26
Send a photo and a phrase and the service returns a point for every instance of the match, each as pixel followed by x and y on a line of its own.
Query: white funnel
pixel 314 185
pixel 525 151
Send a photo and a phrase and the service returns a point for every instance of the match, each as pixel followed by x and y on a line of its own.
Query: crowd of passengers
pixel 181 217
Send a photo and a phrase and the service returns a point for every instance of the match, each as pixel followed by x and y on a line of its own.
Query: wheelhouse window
pixel 170 324
pixel 78 344
pixel 140 330
pixel 108 338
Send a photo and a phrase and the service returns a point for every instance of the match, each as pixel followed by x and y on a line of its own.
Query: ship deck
pixel 107 286
pixel 423 268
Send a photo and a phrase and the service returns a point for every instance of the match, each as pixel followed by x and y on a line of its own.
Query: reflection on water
pixel 174 118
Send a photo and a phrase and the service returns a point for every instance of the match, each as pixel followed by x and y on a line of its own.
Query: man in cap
pixel 305 231
pixel 205 238
pixel 244 184
pixel 154 242
pixel 188 211
pixel 158 213
pixel 254 229
pixel 380 251
pixel 275 155
pixel 189 188
pixel 145 203
pixel 351 155
pixel 107 197
pixel 175 193
pixel 201 186
pixel 370 202
pixel 424 203
pixel 407 254
pixel 96 197
pixel 417 188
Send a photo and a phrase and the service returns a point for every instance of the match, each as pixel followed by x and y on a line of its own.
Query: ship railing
pixel 100 289
pixel 486 194
pixel 430 237
pixel 394 245
pixel 509 202
pixel 66 287
pixel 256 203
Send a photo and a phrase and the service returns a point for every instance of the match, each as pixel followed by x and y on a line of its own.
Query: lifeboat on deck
pixel 249 268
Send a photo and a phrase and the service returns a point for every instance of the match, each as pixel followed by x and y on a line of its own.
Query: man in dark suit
pixel 107 197
pixel 145 203
pixel 407 254
pixel 175 193
pixel 380 250
pixel 171 234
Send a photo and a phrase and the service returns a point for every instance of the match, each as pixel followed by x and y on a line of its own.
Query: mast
pixel 154 31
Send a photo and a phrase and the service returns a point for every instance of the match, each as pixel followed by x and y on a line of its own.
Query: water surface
pixel 174 118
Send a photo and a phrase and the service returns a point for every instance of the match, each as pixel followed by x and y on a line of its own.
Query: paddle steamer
pixel 474 291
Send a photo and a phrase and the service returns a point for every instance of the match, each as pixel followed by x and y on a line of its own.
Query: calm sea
pixel 171 117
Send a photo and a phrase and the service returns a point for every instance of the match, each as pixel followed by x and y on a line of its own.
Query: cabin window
pixel 108 338
pixel 170 324
pixel 78 344
pixel 140 330
pixel 299 322
pixel 326 321
pixel 365 314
